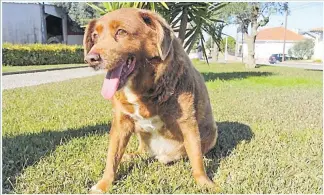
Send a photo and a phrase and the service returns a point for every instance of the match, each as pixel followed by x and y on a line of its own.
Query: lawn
pixel 37 67
pixel 55 136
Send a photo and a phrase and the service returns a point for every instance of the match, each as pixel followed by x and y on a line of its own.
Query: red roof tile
pixel 278 33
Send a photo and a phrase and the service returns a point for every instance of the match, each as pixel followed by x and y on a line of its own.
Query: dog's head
pixel 123 40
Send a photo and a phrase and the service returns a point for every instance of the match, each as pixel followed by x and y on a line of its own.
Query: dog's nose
pixel 92 59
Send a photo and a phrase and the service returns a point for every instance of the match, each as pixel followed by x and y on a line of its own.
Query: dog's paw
pixel 95 190
pixel 100 188
pixel 204 181
pixel 128 157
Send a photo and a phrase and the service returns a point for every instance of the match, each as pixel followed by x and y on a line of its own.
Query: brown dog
pixel 155 90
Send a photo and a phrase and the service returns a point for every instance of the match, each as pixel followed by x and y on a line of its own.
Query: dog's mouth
pixel 116 78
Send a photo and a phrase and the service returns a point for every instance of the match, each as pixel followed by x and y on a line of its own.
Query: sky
pixel 303 15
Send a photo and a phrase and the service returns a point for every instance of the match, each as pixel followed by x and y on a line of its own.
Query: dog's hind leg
pixel 208 139
pixel 142 148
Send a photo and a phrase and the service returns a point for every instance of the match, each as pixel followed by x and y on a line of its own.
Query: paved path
pixel 308 66
pixel 299 65
pixel 30 79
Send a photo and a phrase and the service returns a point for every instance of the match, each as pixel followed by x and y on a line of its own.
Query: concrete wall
pixel 263 50
pixel 21 23
pixel 319 51
pixel 75 39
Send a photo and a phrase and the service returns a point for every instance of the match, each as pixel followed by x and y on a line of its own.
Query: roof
pixel 317 29
pixel 277 34
pixel 309 34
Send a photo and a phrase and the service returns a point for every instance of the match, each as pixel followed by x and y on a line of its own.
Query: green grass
pixel 55 136
pixel 37 67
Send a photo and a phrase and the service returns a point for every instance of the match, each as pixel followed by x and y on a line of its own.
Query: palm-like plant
pixel 188 19
pixel 191 19
pixel 106 7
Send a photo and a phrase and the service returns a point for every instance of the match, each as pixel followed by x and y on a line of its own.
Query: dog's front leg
pixel 121 130
pixel 192 145
pixel 189 128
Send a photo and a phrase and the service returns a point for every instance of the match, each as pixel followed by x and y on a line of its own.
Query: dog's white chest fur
pixel 158 145
pixel 152 124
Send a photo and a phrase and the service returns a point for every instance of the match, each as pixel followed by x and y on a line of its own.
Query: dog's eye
pixel 121 32
pixel 95 36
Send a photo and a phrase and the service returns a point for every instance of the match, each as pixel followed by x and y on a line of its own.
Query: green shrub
pixel 302 49
pixel 40 54
pixel 318 61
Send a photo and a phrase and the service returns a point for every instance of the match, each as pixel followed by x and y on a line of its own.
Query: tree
pixel 106 7
pixel 208 43
pixel 80 13
pixel 302 49
pixel 252 15
pixel 188 19
pixel 230 44
pixel 191 19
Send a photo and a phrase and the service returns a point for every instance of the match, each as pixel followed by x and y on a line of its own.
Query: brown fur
pixel 164 83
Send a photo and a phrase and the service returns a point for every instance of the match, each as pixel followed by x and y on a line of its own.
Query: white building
pixel 37 23
pixel 319 44
pixel 270 41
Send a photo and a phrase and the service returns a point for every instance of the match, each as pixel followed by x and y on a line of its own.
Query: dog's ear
pixel 88 41
pixel 164 33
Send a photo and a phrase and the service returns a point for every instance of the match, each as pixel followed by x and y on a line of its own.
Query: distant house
pixel 319 44
pixel 308 35
pixel 38 23
pixel 270 41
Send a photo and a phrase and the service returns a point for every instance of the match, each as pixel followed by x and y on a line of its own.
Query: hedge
pixel 40 54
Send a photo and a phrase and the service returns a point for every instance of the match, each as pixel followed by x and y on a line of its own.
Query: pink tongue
pixel 111 82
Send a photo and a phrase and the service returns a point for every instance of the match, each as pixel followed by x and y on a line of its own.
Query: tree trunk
pixel 250 39
pixel 215 53
pixel 236 43
pixel 183 24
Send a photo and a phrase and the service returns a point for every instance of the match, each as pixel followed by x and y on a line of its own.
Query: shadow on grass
pixel 230 134
pixel 271 66
pixel 22 151
pixel 314 70
pixel 211 76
